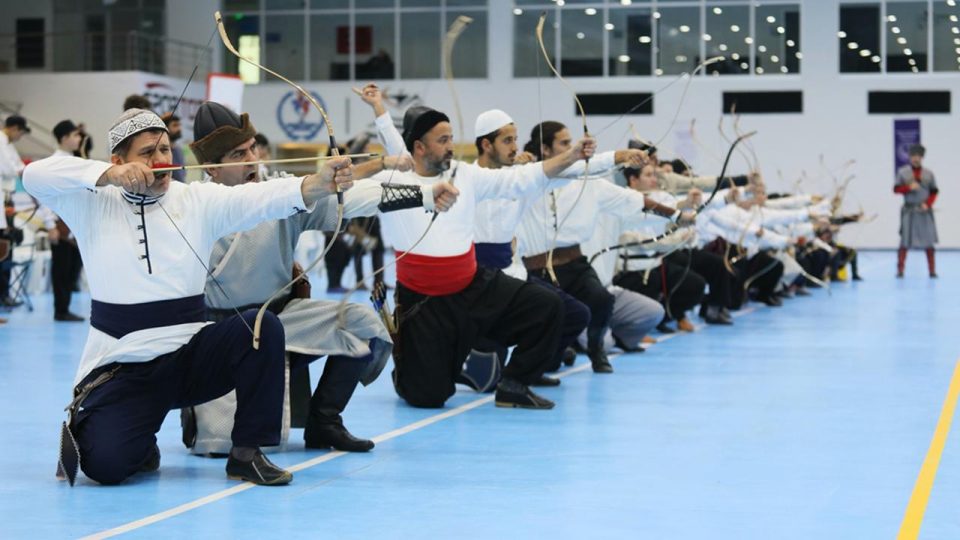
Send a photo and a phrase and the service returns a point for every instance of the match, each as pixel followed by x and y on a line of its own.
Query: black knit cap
pixel 64 128
pixel 917 150
pixel 417 121
pixel 217 130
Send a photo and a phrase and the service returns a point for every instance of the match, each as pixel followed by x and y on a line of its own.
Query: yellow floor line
pixel 917 507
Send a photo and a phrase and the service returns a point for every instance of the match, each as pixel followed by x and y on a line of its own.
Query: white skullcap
pixel 490 121
pixel 131 122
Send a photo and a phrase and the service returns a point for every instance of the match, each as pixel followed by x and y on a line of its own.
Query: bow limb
pixel 690 76
pixel 696 140
pixel 333 149
pixel 586 133
pixel 723 171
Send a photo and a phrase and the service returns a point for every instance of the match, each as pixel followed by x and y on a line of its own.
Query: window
pixel 859 32
pixel 581 42
pixel 244 33
pixel 527 58
pixel 777 40
pixel 728 28
pixel 678 40
pixel 357 39
pixel 631 42
pixel 906 31
pixel 946 36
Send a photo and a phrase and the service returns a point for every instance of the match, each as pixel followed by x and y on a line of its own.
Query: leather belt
pixel 561 256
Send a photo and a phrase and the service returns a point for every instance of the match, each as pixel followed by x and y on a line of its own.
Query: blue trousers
pixel 576 317
pixel 117 424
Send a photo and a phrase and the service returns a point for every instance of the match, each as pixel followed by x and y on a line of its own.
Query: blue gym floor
pixel 809 421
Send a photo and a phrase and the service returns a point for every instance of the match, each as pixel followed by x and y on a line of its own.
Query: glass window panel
pixel 777 38
pixel 284 4
pixel 946 37
pixel 241 5
pixel 470 52
pixel 467 3
pixel 375 46
pixel 631 42
pixel 419 3
pixel 330 48
pixel 581 42
pixel 728 27
pixel 373 3
pixel 244 33
pixel 283 50
pixel 859 30
pixel 421 38
pixel 527 58
pixel 906 28
pixel 678 37
pixel 329 4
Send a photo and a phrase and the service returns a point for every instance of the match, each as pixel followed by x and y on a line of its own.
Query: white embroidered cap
pixel 131 122
pixel 490 121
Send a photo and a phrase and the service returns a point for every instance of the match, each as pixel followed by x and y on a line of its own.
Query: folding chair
pixel 20 275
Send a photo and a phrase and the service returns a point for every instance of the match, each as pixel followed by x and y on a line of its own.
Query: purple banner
pixel 905 134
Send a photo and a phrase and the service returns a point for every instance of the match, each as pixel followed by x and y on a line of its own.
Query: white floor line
pixel 223 494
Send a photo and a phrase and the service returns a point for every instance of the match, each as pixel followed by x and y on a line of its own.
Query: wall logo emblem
pixel 298 118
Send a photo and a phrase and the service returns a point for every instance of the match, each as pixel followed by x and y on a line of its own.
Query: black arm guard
pixel 400 197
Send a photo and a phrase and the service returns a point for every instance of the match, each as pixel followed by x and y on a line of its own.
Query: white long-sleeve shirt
pixel 571 213
pixel 108 233
pixel 11 166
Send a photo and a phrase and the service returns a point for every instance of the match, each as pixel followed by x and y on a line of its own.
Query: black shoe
pixel 664 328
pixel 546 381
pixel 323 436
pixel 600 362
pixel 933 276
pixel 514 394
pixel 569 356
pixel 10 302
pixel 802 291
pixel 68 317
pixel 259 470
pixel 857 277
pixel 713 315
pixel 153 461
pixel 771 300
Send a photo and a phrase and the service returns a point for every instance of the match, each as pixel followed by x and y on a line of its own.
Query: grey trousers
pixel 634 316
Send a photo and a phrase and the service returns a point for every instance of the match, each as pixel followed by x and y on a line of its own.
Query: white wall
pixel 95 99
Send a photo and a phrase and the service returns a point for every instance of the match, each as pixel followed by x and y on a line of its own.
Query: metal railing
pixel 101 51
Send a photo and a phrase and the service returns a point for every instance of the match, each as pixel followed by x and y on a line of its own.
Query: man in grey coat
pixel 917 226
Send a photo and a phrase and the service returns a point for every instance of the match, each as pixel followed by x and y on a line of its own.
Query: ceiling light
pixel 875 59
pixel 915 70
pixel 717 11
pixel 771 19
pixel 762 48
pixel 956 41
pixel 892 18
pixel 791 43
pixel 680 58
pixel 781 30
pixel 955 30
pixel 784 69
pixel 517 11
pixel 799 55
pixel 609 26
pixel 735 56
pixel 656 15
pixel 734 28
pixel 865 53
pixel 953 18
pixel 760 70
pixel 645 39
pixel 561 3
pixel 590 11
pixel 707 37
pixel 902 40
pixel 841 34
pixel 744 65
pixel 723 47
pixel 581 35
pixel 684 28
pixel 658 72
pixel 908 52
pixel 912 62
pixel 748 40
pixel 623 58
pixel 626 2
pixel 853 45
pixel 775 59
pixel 951 3
pixel 895 29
